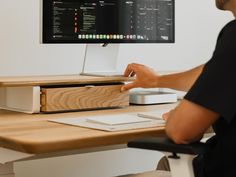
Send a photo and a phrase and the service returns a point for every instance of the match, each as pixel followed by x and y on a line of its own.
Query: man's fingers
pixel 128 70
pixel 132 74
pixel 165 116
pixel 131 69
pixel 127 87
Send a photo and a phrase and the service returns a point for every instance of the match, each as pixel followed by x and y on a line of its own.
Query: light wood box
pixel 83 97
pixel 36 94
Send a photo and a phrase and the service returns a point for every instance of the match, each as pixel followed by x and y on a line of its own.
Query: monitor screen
pixel 108 21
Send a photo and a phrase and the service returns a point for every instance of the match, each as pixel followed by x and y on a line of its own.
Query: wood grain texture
pixel 78 98
pixel 57 80
pixel 34 134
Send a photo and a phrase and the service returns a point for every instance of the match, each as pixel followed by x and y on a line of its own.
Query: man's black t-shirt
pixel 215 89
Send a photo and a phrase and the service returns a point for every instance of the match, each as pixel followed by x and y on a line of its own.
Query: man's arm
pixel 180 81
pixel 188 122
pixel 147 78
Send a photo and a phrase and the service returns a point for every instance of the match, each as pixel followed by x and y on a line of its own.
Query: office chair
pixel 179 156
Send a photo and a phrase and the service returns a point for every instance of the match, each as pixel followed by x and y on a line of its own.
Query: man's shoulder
pixel 230 27
pixel 227 35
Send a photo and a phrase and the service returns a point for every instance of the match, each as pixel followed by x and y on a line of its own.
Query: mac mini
pixel 151 97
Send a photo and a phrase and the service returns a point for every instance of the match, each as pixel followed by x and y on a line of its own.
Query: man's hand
pixel 166 115
pixel 145 77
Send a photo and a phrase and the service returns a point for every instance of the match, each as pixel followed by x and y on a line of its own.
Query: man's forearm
pixel 180 81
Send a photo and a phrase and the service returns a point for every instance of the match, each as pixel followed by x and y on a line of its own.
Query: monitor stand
pixel 101 60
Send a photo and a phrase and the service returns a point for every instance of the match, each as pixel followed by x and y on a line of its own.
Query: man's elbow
pixel 176 136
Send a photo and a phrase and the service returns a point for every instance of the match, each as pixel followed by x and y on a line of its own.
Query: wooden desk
pixel 31 135
pixel 34 134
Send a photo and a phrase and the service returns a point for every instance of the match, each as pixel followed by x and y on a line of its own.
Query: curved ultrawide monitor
pixel 108 21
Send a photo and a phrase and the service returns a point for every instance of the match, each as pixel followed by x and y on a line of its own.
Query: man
pixel 210 101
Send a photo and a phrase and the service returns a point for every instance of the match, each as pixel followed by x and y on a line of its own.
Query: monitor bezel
pixel 46 38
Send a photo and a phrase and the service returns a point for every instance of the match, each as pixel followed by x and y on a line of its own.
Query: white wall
pixel 21 53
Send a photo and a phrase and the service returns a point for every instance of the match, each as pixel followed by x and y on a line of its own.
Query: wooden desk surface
pixel 57 80
pixel 34 134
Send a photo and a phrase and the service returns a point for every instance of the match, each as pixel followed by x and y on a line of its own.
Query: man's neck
pixel 232 7
pixel 234 12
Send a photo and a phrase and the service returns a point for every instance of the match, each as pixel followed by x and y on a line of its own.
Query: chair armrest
pixel 165 144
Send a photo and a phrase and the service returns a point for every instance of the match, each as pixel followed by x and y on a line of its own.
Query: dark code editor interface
pixel 108 20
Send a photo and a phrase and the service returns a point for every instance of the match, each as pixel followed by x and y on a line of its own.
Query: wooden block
pixel 84 97
pixel 16 81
